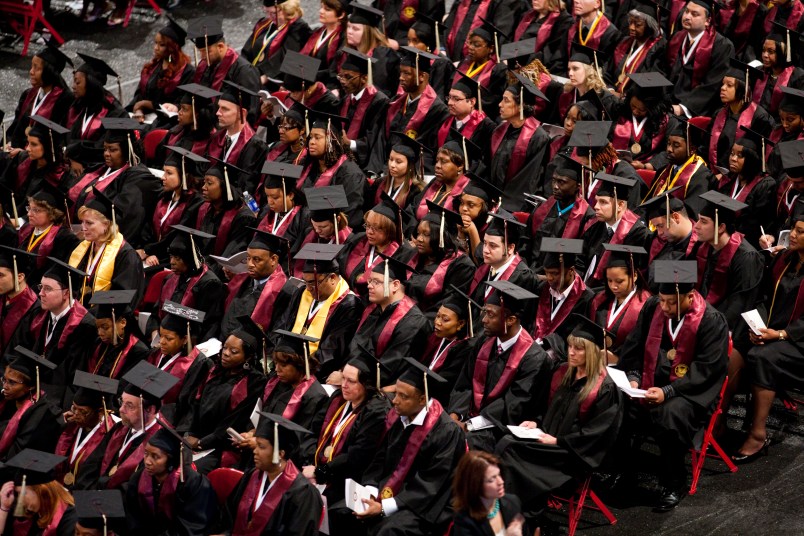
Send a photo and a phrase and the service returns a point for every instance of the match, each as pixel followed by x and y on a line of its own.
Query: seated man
pixel 392 326
pixel 20 302
pixel 466 118
pixel 506 376
pixel 678 353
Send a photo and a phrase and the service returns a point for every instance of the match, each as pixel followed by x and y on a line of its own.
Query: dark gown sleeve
pixel 128 272
pixel 299 511
pixel 193 381
pixel 333 349
pixel 196 506
pixel 67 523
pixel 409 338
pixel 372 137
pixel 210 295
pixel 39 428
pixel 703 99
pixel 350 176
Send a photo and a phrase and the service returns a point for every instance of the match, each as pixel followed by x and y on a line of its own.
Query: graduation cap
pixel 428 30
pixel 390 209
pixel 517 55
pixel 792 100
pixel 721 208
pixel 221 171
pixel 358 62
pixel 649 85
pixel 366 362
pixel 528 93
pixel 174 31
pixel 102 204
pixel 112 304
pixel 747 74
pixel 44 129
pixel 325 203
pixel 95 508
pixel 171 443
pixel 593 105
pixel 481 188
pixel 445 218
pixel 118 130
pixel 418 375
pixel 205 31
pixel 252 334
pixel 783 30
pixel 464 146
pixel 461 303
pixel 412 149
pixel 184 247
pixel 182 319
pixel 33 467
pixel 591 331
pixel 298 68
pixel 319 258
pixel 330 123
pixel 622 256
pixel 179 157
pixel 649 8
pixel 53 56
pixel 490 34
pixel 237 94
pixel 268 242
pixel 63 273
pixel 276 173
pixel 53 197
pixel 588 136
pixel 505 224
pixel 614 186
pixel 392 270
pixel 29 363
pixel 150 384
pixel 663 205
pixel 509 296
pixel 676 277
pixel 100 70
pixel 691 130
pixel 191 91
pixel 568 167
pixel 754 141
pixel 362 14
pixel 418 59
pixel 586 55
pixel 470 87
pixel 561 252
pixel 17 261
pixel 792 153
pixel 711 6
pixel 283 432
pixel 295 343
pixel 92 391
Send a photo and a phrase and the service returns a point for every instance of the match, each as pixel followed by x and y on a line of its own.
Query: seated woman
pixel 584 76
pixel 548 23
pixel 274 497
pixel 42 162
pixel 195 124
pixel 580 426
pixel 328 225
pixel 449 181
pixel 447 345
pixel 169 68
pixel 281 29
pixel 93 101
pixel 402 183
pixel 291 146
pixel 324 43
pixel 791 127
pixel 478 200
pixel 440 265
pixel 107 258
pixel 422 35
pixel 483 65
pixel 166 495
pixel 364 33
pixel 227 399
pixel 120 347
pixel 285 212
pixel 778 71
pixel 642 51
pixel 481 504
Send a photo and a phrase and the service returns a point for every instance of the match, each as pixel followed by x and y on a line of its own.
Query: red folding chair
pixel 31 15
pixel 577 502
pixel 223 481
pixel 699 456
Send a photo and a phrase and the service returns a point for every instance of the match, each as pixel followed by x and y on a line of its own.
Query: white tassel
pixel 189 339
pixel 16 275
pixel 19 510
pixel 426 391
pixel 183 175
pixel 115 338
pixel 306 361
pixel 441 231
pixel 521 104
pixel 275 458
pixel 335 221
pixel 229 196
pixel 370 76
pixel 195 121
pixel 386 284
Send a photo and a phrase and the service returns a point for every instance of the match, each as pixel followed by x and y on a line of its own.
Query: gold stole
pixel 316 327
pixel 104 270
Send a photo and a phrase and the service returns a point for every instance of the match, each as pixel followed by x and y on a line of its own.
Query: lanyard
pixel 557 305
pixel 562 211
pixel 371 257
pixel 614 312
pixel 94 262
pixel 393 193
pixel 314 308
pixel 169 361
pixel 591 29
pixel 85 122
pixel 638 127
pixel 323 39
pixel 170 208
pixel 132 437
pixel 693 46
pixel 674 332
pixel 39 100
pixel 441 350
pixel 275 228
pixel 79 444
pixel 264 490
pixel 735 193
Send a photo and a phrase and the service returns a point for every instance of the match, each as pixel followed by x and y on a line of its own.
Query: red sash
pixel 482 272
pixel 518 350
pixel 783 80
pixel 221 69
pixel 67 441
pixel 333 45
pixel 44 247
pixel 295 399
pixel 199 147
pixel 126 463
pixel 628 315
pixel 169 287
pixel 414 444
pixel 435 284
pixel 312 238
pixel 49 102
pixel 658 245
pixel 15 309
pixel 239 389
pixel 23 170
pixel 399 312
pixel 460 15
pixel 265 303
pixel 10 431
pixel 261 517
pixel 328 430
pixel 521 145
pixel 701 55
pixel 626 224
pixel 573 227
pixel 222 238
pixel 792 20
pixel 720 279
pixel 276 41
pixel 174 218
pixel 74 318
pixel 469 126
pixel 89 180
pixel 545 326
pixel 685 343
pixel 325 179
pixel 742 31
pixel 94 127
pixel 726 185
pixel 778 270
pixel 167 85
pixel 586 403
pixel 178 368
pixel 353 131
pixel 624 137
pixel 433 188
pixel 267 223
pixel 545 29
pixel 593 39
pixel 53 527
pixel 360 253
pixel 121 361
pixel 417 120
pixel 279 149
pixel 720 121
pixel 433 344
pixel 621 52
pixel 217 141
pixel 145 492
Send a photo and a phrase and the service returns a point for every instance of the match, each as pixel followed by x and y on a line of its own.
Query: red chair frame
pixel 31 15
pixel 699 456
pixel 223 481
pixel 577 502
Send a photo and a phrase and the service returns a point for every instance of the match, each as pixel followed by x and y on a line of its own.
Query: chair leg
pixel 603 508
pixel 723 456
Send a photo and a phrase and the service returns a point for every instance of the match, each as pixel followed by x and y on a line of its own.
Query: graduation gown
pixel 517 162
pixel 244 293
pixel 120 460
pixel 551 37
pixel 433 284
pixel 192 370
pixel 229 224
pixel 678 175
pixel 652 140
pixel 54 107
pixel 265 48
pixel 423 127
pixel 650 58
pixel 448 359
pixel 385 73
pixel 234 68
pixel 553 330
pixel 559 221
pixel 115 361
pixel 83 463
pixel 353 260
pixel 127 273
pixel 493 78
pixel 172 507
pixel 39 426
pixel 16 316
pixel 350 176
pixel 401 14
pixel 441 73
pixel 759 194
pixel 477 127
pixel 745 30
pixel 618 322
pixel 518 273
pixel 661 250
pixel 767 91
pixel 464 16
pixel 603 36
pixel 725 129
pixel 155 236
pixel 248 153
pixel 58 242
pixel 596 235
pixel 92 113
pixel 365 118
pixel 149 87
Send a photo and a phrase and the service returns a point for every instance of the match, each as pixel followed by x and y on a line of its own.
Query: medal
pixel 636 148
pixel 671 354
pixel 69 479
pixel 113 470
pixel 328 452
pixel 409 12
pixel 386 493
pixel 411 134
pixel 680 370
pixel 609 342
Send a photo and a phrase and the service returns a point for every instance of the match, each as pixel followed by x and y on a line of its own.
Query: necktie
pixel 493 273
pixel 584 32
pixel 227 144
pixel 609 232
pixel 499 349
pixel 350 112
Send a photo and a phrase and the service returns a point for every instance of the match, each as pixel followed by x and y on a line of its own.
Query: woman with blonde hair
pixel 579 428
pixel 364 34
pixel 584 75
pixel 281 29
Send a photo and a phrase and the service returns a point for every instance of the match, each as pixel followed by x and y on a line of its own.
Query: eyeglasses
pixel 9 381
pixel 314 282
pixel 79 411
pixel 373 228
pixel 347 79
pixel 126 405
pixel 34 210
pixel 43 288
pixel 287 127
pixel 451 98
pixel 374 282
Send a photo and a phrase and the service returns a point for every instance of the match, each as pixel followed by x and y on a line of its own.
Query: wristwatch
pixel 782 335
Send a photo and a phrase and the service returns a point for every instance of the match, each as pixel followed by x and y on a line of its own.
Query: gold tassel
pixel 189 339
pixel 717 224
pixel 67 213
pixel 465 153
pixel 688 138
pixel 114 220
pixel 762 156
pixel 306 122
pixel 38 385
pixel 378 376
pixel 479 100
pixel 417 70
pixel 370 76
pixel 386 284
pixel 115 338
pixel 14 210
pixel 275 458
pixel 667 208
pixel 105 414
pixel 183 175
pixel 229 196
pixel 437 40
pixel 195 121
pixel 105 530
pixel 497 46
pixel 505 239
pixel 426 391
pixel 196 260
pixel 747 80
pixel 788 53
pixel 441 231
pixel 19 510
pixel 16 274
pixel 678 304
pixel 181 462
pixel 471 322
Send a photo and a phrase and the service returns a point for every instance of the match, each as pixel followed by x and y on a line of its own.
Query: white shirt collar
pixel 614 227
pixel 418 420
pixel 505 266
pixel 563 295
pixel 56 318
pixel 359 94
pixel 505 345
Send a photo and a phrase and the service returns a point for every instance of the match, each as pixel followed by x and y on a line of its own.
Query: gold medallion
pixel 671 354
pixel 636 148
pixel 328 452
pixel 680 370
pixel 69 479
pixel 409 12
pixel 113 470
pixel 411 134
pixel 609 342
pixel 386 493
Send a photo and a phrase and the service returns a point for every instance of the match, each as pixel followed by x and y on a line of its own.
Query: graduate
pixel 274 497
pixel 325 308
pixel 285 212
pixel 196 123
pixel 324 43
pixel 404 181
pixel 42 163
pixel 579 427
pixel 468 117
pixel 328 223
pixel 20 301
pixel 99 512
pixel 447 186
pixel 424 34
pixel 482 65
pixel 400 15
pixel 593 28
pixel 119 347
pixel 585 82
pixel 778 68
pixel 300 79
pixel 92 101
pixel 365 33
pixel 506 374
pixel 642 50
pixel 290 146
pixel 466 16
pixel 548 23
pixel 477 203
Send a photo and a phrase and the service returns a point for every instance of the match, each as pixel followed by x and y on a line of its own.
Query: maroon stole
pixel 700 57
pixel 518 350
pixel 588 402
pixel 280 148
pixel 23 170
pixel 328 429
pixel 545 29
pixel 545 326
pixel 624 136
pixel 145 492
pixel 792 20
pixel 265 303
pixel 178 369
pixel 46 109
pixel 566 100
pixel 74 318
pixel 215 147
pixel 169 287
pixel 353 131
pixel 222 237
pixel 629 315
pixel 167 85
pixel 433 344
pixel 463 9
pixel 276 41
pixel 199 147
pixel 239 390
pixel 10 431
pixel 16 308
pixel 267 223
pixel 44 247
pixel 261 517
pixel 626 224
pixel 778 270
pixel 435 284
pixel 726 185
pixel 469 126
pixel 24 525
pixel 521 145
pixel 67 440
pixel 295 399
pixel 89 180
pixel 746 115
pixel 720 279
pixel 776 97
pixel 360 253
pixel 414 444
pixel 557 144
pixel 126 463
pixel 221 69
pixel 325 179
pixel 399 312
pixel 742 31
pixel 93 129
pixel 94 361
pixel 621 52
pixel 572 229
pixel 312 238
pixel 684 345
pixel 481 78
pixel 658 245
pixel 483 270
pixel 593 40
pixel 414 124
pixel 434 188
pixel 333 45
pixel 173 219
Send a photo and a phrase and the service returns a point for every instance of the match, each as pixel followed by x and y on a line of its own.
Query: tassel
pixel 275 458
pixel 497 46
pixel 465 153
pixel 561 262
pixel 114 219
pixel 386 284
pixel 52 147
pixel 678 304
pixel 306 122
pixel 379 387
pixel 229 196
pixel 788 53
pixel 195 121
pixel 426 391
pixel 14 210
pixel 747 80
pixel 437 40
pixel 264 357
pixel 505 239
pixel 105 414
pixel 479 100
pixel 284 196
pixel 441 231
pixel 715 235
pixel 417 70
pixel 667 209
pixel 67 213
pixel 688 138
pixel 19 510
pixel 181 462
pixel 120 88
pixel 142 413
pixel 38 385
pixel 189 339
pixel 115 338
pixel 471 322
pixel 183 175
pixel 370 76
pixel 304 91
pixel 762 156
pixel 335 221
pixel 521 103
pixel 105 530
pixel 306 361
pixel 16 275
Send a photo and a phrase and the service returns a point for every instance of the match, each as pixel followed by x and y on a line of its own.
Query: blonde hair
pixel 593 82
pixel 292 9
pixel 111 230
pixel 594 365
pixel 371 39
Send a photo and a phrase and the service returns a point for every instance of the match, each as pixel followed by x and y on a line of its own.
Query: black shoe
pixel 670 499
pixel 741 459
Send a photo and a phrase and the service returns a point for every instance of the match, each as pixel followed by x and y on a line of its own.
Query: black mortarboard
pixel 721 208
pixel 18 261
pixel 528 91
pixel 283 433
pixel 446 219
pixel 412 149
pixel 693 131
pixel 561 252
pixel 186 161
pixel 614 186
pixel 417 375
pixel 298 68
pixel 112 304
pixel 418 59
pixel 171 443
pixel 184 246
pixel 283 176
pixel 388 207
pixel 33 467
pixel 710 5
pixel 148 382
pixel 650 84
pixel 269 242
pixel 662 205
pixel 517 55
pixel 51 196
pixel 461 303
pixel 205 31
pixel 781 33
pixel 54 57
pixel 621 254
pixel 586 55
pixel 64 273
pixel 392 268
pixel 253 335
pixel 49 133
pixel 651 9
pixel 331 123
pixel 221 171
pixel 465 147
pixel 792 153
pixel 182 320
pixel 509 296
pixel 101 203
pixel 491 34
pixel 470 87
pixel 325 203
pixel 99 70
pixel 299 113
pixel 369 366
pixel 746 73
pixel 174 31
pixel 237 94
pixel 118 130
pixel 754 141
pixel 792 100
pixel 586 329
pixel 295 343
pixel 479 187
pixel 568 167
pixel 676 277
pixel 319 258
pixel 428 30
pixel 590 135
pixel 358 62
pixel 95 508
pixel 362 14
pixel 193 92
pixel 505 224
pixel 93 390
pixel 592 104
pixel 30 364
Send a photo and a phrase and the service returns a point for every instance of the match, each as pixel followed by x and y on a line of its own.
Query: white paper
pixel 554 131
pixel 279 106
pixel 167 112
pixel 355 493
pixel 784 238
pixel 147 118
pixel 198 455
pixel 324 527
pixel 255 415
pixel 754 321
pixel 478 423
pixel 235 264
pixel 330 388
pixel 559 79
pixel 526 433
pixel 211 347
pixel 158 173
pixel 620 379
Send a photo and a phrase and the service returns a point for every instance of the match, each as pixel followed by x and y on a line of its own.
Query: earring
pixel 246 366
pixel 170 58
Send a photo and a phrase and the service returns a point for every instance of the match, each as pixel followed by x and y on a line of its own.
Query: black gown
pixel 16 133
pixel 138 352
pixel 670 251
pixel 242 73
pixel 459 273
pixel 39 427
pixel 594 238
pixel 268 65
pixel 466 525
pixel 179 413
pixel 370 142
pixel 351 177
pixel 127 273
pixel 553 54
pixel 503 14
pixel 427 134
pixel 64 243
pixel 528 177
pixel 162 95
pixel 395 28
pixel 703 99
pixel 761 122
pixel 246 299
